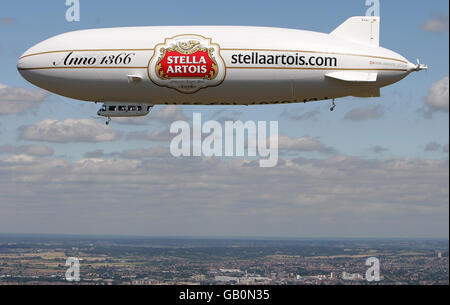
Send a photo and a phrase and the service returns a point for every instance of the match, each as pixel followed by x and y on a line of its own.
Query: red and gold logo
pixel 187 63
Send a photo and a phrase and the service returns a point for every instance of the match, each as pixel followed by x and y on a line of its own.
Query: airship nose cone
pixel 24 65
pixel 28 67
pixel 21 65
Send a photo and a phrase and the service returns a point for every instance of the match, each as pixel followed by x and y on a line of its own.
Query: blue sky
pixel 400 123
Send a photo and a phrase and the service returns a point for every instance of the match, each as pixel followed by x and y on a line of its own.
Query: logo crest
pixel 187 63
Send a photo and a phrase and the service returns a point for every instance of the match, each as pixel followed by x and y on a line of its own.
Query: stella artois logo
pixel 187 63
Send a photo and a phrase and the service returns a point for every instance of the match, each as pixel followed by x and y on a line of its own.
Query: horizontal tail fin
pixel 350 76
pixel 363 30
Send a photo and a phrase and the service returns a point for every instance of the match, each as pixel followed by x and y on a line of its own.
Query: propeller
pixel 420 67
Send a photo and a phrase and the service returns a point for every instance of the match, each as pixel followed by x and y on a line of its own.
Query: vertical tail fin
pixel 363 30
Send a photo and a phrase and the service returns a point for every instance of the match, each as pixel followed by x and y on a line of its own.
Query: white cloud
pixel 438 98
pixel 307 144
pixel 445 148
pixel 8 20
pixel 295 115
pixel 379 149
pixel 301 144
pixel 169 113
pixel 70 130
pixel 156 135
pixel 38 150
pixel 138 154
pixel 100 153
pixel 145 153
pixel 436 24
pixel 142 120
pixel 365 113
pixel 32 150
pixel 19 100
pixel 20 159
pixel 433 146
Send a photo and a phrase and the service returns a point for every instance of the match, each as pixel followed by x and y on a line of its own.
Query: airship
pixel 130 69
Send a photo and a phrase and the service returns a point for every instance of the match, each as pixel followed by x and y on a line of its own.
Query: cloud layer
pixel 32 150
pixel 193 196
pixel 300 115
pixel 8 20
pixel 156 135
pixel 436 24
pixel 435 147
pixel 303 144
pixel 438 98
pixel 70 130
pixel 19 100
pixel 365 113
pixel 169 113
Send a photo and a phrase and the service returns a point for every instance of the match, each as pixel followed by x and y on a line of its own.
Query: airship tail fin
pixel 350 76
pixel 363 30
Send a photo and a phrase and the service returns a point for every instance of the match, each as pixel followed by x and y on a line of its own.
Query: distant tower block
pixel 439 254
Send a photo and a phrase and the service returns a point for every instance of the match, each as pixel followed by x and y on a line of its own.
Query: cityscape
pixel 41 260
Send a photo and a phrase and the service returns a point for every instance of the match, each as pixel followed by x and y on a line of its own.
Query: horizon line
pixel 218 237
